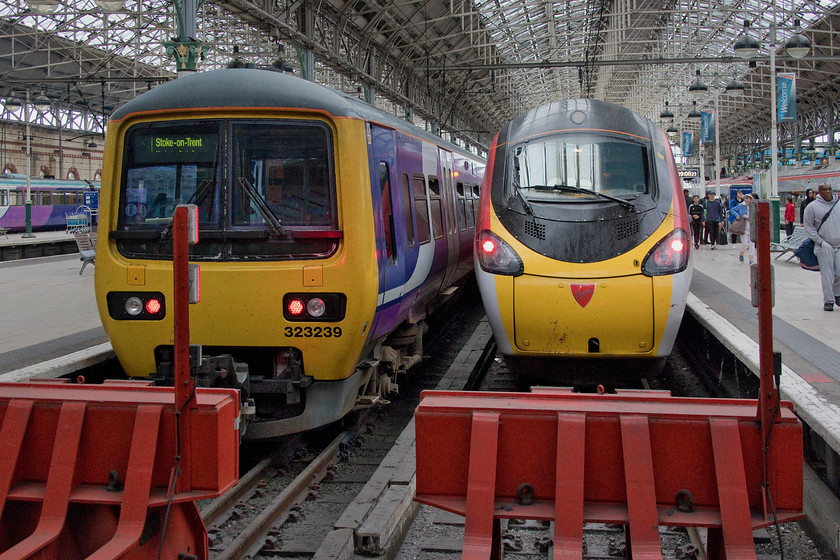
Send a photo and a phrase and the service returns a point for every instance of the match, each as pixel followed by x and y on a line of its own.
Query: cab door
pixel 389 223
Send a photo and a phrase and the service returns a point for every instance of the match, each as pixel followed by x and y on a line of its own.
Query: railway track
pixel 310 492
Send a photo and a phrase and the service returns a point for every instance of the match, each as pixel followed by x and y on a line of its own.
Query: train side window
pixel 462 207
pixel 421 208
pixel 473 203
pixel 409 219
pixel 387 212
pixel 58 198
pixel 436 207
pixel 16 198
pixel 4 198
pixel 44 198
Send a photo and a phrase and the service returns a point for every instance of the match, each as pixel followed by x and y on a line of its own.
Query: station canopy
pixel 461 67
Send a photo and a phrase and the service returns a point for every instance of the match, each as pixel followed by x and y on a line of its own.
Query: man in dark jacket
pixel 714 216
pixel 696 213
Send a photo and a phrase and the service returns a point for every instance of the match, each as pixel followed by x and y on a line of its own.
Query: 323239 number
pixel 313 332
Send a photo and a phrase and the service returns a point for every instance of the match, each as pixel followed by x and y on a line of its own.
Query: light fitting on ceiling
pixel 42 103
pixel 798 45
pixel 746 46
pixel 666 115
pixel 43 7
pixel 735 87
pixel 109 6
pixel 694 114
pixel 697 87
pixel 12 103
pixel 672 130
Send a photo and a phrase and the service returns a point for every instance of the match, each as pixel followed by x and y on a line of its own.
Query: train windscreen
pixel 264 189
pixel 580 168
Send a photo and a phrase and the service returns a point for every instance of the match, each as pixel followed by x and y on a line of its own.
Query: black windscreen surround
pixel 581 180
pixel 265 189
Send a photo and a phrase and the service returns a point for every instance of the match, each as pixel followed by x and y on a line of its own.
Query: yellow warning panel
pixel 563 316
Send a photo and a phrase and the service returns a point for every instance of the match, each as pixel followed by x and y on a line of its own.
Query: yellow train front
pixel 327 230
pixel 582 246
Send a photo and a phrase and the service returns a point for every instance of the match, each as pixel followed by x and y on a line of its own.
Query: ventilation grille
pixel 535 230
pixel 627 228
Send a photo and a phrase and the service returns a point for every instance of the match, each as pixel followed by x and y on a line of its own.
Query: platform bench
pixel 792 243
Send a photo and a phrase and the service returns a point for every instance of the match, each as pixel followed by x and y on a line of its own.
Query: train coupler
pixel 638 459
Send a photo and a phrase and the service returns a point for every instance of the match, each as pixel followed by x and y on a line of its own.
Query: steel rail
pixel 279 506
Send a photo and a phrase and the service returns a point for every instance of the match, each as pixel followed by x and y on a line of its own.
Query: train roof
pixel 265 88
pixel 569 115
pixel 40 183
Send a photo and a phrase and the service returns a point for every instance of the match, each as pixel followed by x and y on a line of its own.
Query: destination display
pixel 174 148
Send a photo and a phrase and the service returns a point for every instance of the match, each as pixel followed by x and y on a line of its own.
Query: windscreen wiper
pixel 262 207
pixel 198 195
pixel 525 203
pixel 626 204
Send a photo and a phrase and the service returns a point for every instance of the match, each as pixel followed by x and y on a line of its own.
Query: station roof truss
pixel 458 66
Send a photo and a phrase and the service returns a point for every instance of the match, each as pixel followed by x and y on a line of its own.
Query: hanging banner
pixel 707 129
pixel 786 96
pixel 688 144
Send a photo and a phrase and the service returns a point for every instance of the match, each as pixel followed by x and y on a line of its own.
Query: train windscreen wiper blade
pixel 525 203
pixel 197 197
pixel 625 203
pixel 262 207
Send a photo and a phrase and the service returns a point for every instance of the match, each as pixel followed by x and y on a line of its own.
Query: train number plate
pixel 313 332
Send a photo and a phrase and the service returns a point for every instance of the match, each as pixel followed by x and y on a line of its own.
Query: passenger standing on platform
pixel 687 198
pixel 737 199
pixel 826 243
pixel 790 216
pixel 714 216
pixel 743 211
pixel 696 213
pixel 809 198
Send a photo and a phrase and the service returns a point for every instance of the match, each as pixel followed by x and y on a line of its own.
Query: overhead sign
pixel 688 144
pixel 786 96
pixel 707 129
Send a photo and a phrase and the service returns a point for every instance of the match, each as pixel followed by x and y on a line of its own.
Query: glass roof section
pixel 452 65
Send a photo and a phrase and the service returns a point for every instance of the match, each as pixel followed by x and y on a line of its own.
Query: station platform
pixel 13 246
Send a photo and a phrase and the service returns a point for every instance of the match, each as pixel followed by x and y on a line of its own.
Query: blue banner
pixel 707 129
pixel 786 96
pixel 688 144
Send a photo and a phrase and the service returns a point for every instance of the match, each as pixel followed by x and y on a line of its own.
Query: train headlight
pixel 496 256
pixel 669 256
pixel 133 306
pixel 316 307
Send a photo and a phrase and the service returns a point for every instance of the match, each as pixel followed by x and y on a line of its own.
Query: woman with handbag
pixel 739 218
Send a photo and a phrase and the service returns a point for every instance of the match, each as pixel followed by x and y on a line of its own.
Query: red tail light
pixel 669 256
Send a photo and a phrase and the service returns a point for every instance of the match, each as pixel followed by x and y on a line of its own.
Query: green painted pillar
pixel 185 48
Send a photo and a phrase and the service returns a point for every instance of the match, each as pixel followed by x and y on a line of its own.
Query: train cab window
pixel 264 188
pixel 462 206
pixel 436 207
pixel 409 217
pixel 580 168
pixel 387 213
pixel 421 208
